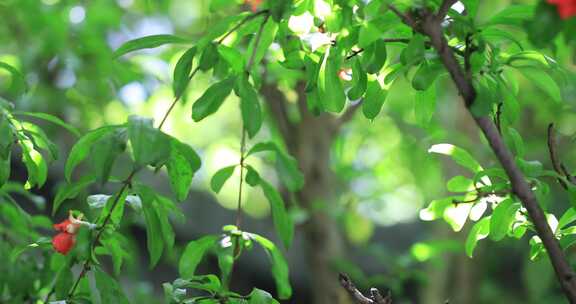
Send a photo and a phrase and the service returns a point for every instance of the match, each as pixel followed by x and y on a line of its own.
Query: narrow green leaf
pixel 5 169
pixel 212 99
pixel 542 80
pixel 502 218
pixel 568 217
pixel 181 166
pixel 459 155
pixel 154 233
pixel 279 266
pixel 147 43
pixel 512 15
pixel 109 289
pixel 51 118
pixel 105 151
pixel 265 40
pixel 220 177
pixel 282 221
pixel 374 99
pixel 359 81
pixel 414 51
pixel 149 145
pixel 374 57
pixel 182 72
pixel 193 254
pixel 287 165
pixel 425 106
pixel 82 147
pixel 34 162
pixel 232 56
pixel 330 89
pixel 249 106
pixel 479 231
pixel 426 75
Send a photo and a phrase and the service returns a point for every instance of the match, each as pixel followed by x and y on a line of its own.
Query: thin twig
pixel 375 295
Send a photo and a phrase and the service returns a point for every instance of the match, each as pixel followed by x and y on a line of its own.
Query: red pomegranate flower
pixel 566 8
pixel 64 241
pixel 254 4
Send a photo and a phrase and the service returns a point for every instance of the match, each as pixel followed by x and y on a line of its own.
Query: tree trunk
pixel 309 141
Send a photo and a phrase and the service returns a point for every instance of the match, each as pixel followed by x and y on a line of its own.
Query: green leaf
pixel 232 56
pixel 374 57
pixel 359 81
pixel 425 106
pixel 515 142
pixel 154 232
pixel 279 266
pixel 568 217
pixel 5 169
pixel 479 231
pixel 212 99
pixel 459 184
pixel 113 246
pixel 265 40
pixel 110 291
pixel 208 282
pixel 193 254
pixel 209 57
pixel 181 166
pixel 259 296
pixel 51 118
pixel 282 221
pixel 426 75
pixel 502 218
pixel 330 89
pixel 252 176
pixel 220 177
pixel 459 155
pixel 544 26
pixel 542 80
pixel 71 190
pixel 487 95
pixel 18 85
pixel 414 51
pixel 182 72
pixel 512 15
pixel 149 145
pixel 374 99
pixel 104 153
pixel 369 32
pixel 34 162
pixel 82 147
pixel 249 106
pixel 39 138
pixel 287 165
pixel 147 43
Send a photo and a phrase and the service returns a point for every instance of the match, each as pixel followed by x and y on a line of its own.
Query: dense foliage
pixel 339 57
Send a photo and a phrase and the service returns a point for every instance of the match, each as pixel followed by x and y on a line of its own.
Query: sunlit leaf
pixel 220 177
pixel 479 231
pixel 279 266
pixel 147 43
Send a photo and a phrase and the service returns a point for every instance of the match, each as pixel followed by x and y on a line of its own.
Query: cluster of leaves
pixel 365 38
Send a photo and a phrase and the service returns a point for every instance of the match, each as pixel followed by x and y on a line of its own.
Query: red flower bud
pixel 566 8
pixel 63 242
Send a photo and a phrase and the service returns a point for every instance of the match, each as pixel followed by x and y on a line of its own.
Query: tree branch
pixel 375 295
pixel 444 9
pixel 429 25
